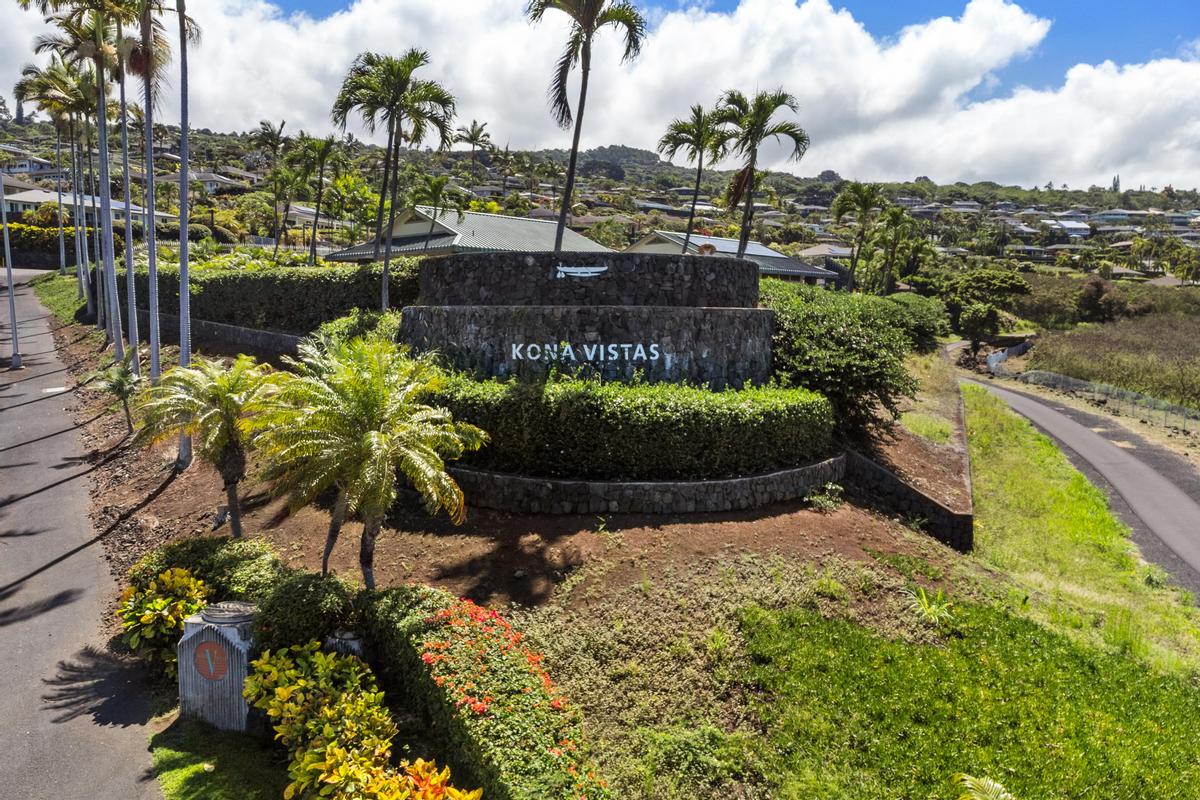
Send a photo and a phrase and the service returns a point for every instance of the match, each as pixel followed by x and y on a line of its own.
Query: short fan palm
pixel 354 420
pixel 218 407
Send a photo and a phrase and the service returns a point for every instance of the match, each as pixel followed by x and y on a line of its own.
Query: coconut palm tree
pixel 504 161
pixel 87 32
pixel 860 200
pixel 284 182
pixel 185 296
pixel 384 88
pixel 588 17
pixel 433 191
pixel 355 420
pixel 477 137
pixel 215 404
pixel 315 156
pixel 148 62
pixel 698 136
pixel 747 123
pixel 269 139
pixel 895 228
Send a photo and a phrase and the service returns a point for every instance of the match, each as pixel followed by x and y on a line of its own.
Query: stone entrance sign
pixel 671 318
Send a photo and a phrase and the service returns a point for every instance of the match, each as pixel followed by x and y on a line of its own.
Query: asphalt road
pixel 74 719
pixel 1152 490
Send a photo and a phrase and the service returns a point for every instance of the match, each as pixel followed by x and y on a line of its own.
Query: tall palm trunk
pixel 81 260
pixel 62 242
pixel 235 510
pixel 387 251
pixel 585 66
pixel 366 549
pixel 312 245
pixel 13 336
pixel 748 211
pixel 687 238
pixel 93 257
pixel 185 301
pixel 387 170
pixel 130 290
pixel 151 235
pixel 106 239
pixel 336 518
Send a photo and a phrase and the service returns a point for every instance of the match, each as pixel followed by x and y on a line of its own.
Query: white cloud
pixel 874 108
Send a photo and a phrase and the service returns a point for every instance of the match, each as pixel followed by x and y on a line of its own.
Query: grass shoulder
pixel 193 761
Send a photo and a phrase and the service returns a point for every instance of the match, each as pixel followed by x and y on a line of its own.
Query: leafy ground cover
pixel 1157 355
pixel 193 761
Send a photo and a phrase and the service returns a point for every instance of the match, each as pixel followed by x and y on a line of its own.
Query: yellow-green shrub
pixel 329 714
pixel 153 617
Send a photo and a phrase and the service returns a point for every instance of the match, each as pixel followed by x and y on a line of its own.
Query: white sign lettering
pixel 565 351
pixel 579 272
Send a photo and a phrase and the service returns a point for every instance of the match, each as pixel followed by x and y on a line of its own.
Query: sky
pixel 1015 91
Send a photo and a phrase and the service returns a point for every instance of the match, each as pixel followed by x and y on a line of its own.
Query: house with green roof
pixel 419 231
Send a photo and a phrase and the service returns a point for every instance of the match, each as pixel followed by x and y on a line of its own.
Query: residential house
pixel 16 161
pixel 826 250
pixel 770 262
pixel 419 231
pixel 29 200
pixel 211 181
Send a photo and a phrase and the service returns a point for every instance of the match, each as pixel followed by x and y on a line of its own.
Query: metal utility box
pixel 214 660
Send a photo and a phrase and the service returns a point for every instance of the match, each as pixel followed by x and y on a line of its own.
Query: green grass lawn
pixel 850 714
pixel 1071 562
pixel 196 762
pixel 936 429
pixel 58 295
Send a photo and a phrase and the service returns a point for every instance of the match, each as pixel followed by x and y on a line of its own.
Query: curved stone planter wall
pixel 582 279
pixel 524 495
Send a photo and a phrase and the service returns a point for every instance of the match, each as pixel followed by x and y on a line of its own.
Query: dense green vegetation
pixel 847 347
pixel 1041 522
pixel 581 428
pixel 851 714
pixel 1156 355
pixel 1061 301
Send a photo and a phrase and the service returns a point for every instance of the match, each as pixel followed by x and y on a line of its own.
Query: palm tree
pixel 432 191
pixel 354 419
pixel 185 298
pixel 861 200
pixel 284 183
pixel 270 140
pixel 504 161
pixel 217 406
pixel 896 226
pixel 149 63
pixel 122 382
pixel 15 360
pixel 698 136
pixel 314 156
pixel 476 136
pixel 87 32
pixel 747 123
pixel 587 18
pixel 384 88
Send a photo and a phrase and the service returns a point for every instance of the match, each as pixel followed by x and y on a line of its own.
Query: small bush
pixel 827 499
pixel 302 607
pixel 152 618
pixel 365 324
pixel 843 346
pixel 170 230
pixel 923 319
pixel 331 718
pixel 581 428
pixel 233 569
pixel 224 235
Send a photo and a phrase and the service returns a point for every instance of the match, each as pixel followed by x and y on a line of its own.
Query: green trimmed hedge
pixel 37 247
pixel 573 428
pixel 485 694
pixel 288 299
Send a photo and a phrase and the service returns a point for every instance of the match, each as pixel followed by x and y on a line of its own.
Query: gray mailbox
pixel 214 660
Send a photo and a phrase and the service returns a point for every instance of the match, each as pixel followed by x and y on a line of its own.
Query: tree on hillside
pixel 588 17
pixel 312 157
pixel 354 420
pixel 698 136
pixel 861 201
pixel 384 88
pixel 477 137
pixel 895 228
pixel 747 123
pixel 434 191
pixel 215 405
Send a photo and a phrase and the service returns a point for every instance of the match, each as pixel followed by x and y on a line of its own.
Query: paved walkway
pixel 74 719
pixel 1153 490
